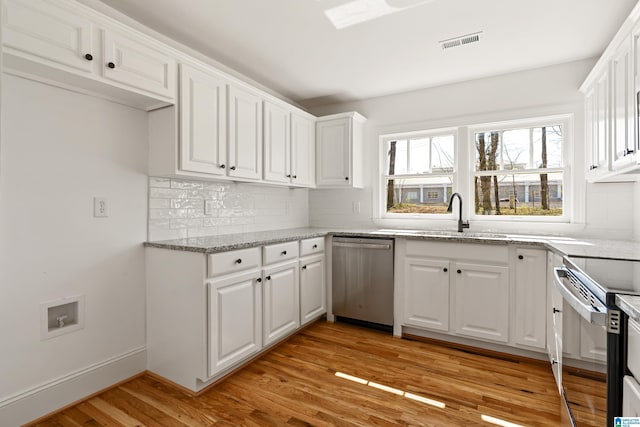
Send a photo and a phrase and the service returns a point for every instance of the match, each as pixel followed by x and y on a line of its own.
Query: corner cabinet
pixel 339 151
pixel 209 314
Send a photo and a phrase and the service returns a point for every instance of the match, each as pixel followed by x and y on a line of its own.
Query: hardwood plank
pixel 295 384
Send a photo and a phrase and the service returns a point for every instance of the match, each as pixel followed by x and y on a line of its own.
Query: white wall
pixel 59 150
pixel 177 208
pixel 531 93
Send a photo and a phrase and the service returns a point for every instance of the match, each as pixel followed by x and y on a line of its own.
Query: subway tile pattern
pixel 180 208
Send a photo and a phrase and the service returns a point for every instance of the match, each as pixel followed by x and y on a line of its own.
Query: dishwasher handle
pixel 586 311
pixel 382 246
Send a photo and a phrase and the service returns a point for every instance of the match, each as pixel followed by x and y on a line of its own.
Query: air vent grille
pixel 460 40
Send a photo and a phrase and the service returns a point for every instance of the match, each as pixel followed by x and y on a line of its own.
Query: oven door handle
pixel 586 311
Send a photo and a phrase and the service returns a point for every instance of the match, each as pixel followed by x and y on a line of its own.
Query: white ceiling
pixel 293 48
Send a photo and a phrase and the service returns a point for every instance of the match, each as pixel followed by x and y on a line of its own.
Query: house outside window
pixel 519 170
pixel 515 170
pixel 419 173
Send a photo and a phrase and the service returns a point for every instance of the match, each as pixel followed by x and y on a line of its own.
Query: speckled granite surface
pixel 571 246
pixel 229 242
pixel 629 304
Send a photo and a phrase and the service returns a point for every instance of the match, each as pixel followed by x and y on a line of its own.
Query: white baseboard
pixel 38 401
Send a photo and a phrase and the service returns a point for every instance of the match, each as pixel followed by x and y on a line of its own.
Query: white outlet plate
pixel 100 207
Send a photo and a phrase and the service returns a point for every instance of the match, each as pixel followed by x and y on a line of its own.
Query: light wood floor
pixel 296 384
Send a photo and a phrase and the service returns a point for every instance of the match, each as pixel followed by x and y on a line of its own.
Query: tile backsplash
pixel 181 208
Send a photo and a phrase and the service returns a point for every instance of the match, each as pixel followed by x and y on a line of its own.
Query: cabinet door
pixel 530 294
pixel 133 63
pixel 281 301
pixel 48 32
pixel 245 134
pixel 333 146
pixel 591 130
pixel 426 293
pixel 602 136
pixel 277 146
pixel 203 103
pixel 622 95
pixel 235 319
pixel 554 320
pixel 303 151
pixel 481 301
pixel 313 293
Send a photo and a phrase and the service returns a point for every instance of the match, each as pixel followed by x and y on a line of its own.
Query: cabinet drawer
pixel 633 350
pixel 311 246
pixel 230 262
pixel 280 252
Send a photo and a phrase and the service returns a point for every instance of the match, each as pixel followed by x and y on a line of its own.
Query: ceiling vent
pixel 460 40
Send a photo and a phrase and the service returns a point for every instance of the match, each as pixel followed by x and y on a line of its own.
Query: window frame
pixel 563 120
pixel 464 171
pixel 383 175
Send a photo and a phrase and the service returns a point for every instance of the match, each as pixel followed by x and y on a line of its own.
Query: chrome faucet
pixel 461 224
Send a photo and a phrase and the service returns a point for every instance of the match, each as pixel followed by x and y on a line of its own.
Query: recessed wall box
pixel 61 316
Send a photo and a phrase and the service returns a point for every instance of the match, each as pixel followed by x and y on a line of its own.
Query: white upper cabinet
pixel 277 143
pixel 45 31
pixel 132 62
pixel 339 150
pixel 622 132
pixel 611 108
pixel 303 150
pixel 66 43
pixel 203 118
pixel 245 133
pixel 289 146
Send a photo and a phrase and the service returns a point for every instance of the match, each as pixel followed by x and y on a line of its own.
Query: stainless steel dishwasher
pixel 363 279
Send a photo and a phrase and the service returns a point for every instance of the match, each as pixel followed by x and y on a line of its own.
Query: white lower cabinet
pixel 630 397
pixel 554 319
pixel 481 295
pixel 207 314
pixel 529 299
pixel 235 319
pixel 281 301
pixel 426 293
pixel 490 293
pixel 313 291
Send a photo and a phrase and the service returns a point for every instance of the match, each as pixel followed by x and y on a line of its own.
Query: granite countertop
pixel 630 304
pixel 571 246
pixel 228 242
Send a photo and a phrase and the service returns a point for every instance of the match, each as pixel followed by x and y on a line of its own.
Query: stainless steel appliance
pixel 594 337
pixel 362 279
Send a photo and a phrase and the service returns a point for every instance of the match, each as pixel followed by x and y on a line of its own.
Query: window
pixel 512 169
pixel 419 171
pixel 519 171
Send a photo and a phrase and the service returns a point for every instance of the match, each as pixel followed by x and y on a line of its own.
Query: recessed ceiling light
pixel 358 11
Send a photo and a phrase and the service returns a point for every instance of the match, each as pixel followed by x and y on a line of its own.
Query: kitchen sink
pixel 453 233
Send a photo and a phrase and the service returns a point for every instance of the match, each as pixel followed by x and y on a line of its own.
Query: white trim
pixel 49 396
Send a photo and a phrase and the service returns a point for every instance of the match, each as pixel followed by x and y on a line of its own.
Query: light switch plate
pixel 100 207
